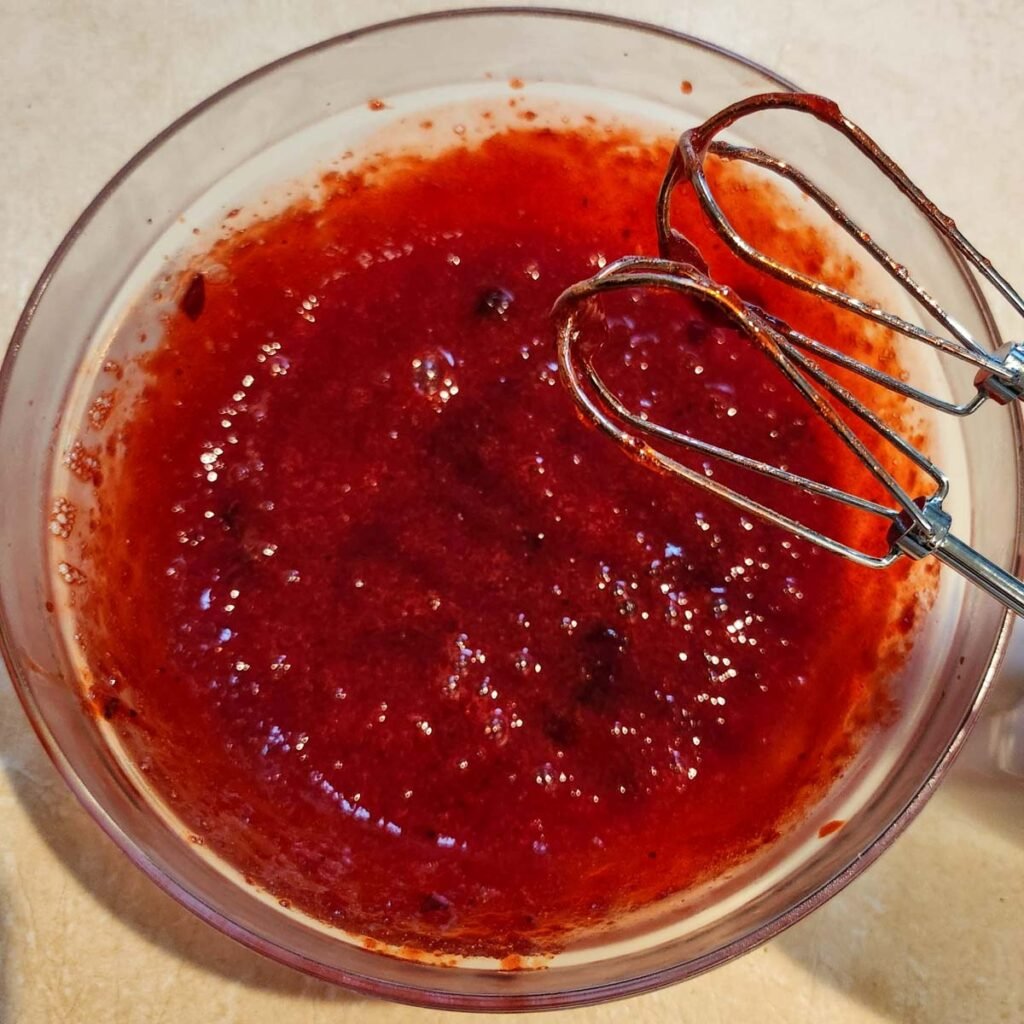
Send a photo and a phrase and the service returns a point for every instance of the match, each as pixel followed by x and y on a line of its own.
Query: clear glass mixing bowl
pixel 264 124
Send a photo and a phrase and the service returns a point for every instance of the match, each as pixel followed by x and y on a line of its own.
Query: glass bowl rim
pixel 413 994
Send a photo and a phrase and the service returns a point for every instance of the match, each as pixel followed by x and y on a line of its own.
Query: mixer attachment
pixel 917 525
pixel 999 375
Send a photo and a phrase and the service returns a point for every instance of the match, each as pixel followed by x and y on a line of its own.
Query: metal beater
pixel 918 525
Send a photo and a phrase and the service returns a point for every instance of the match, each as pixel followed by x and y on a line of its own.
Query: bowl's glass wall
pixel 57 342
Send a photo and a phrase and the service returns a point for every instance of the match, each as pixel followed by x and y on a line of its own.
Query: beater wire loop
pixel 999 375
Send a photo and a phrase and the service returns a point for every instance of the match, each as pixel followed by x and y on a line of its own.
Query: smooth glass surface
pixel 274 122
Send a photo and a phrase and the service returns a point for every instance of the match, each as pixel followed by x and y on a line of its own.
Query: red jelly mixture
pixel 400 637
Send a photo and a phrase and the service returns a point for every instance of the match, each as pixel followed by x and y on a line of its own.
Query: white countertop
pixel 933 933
